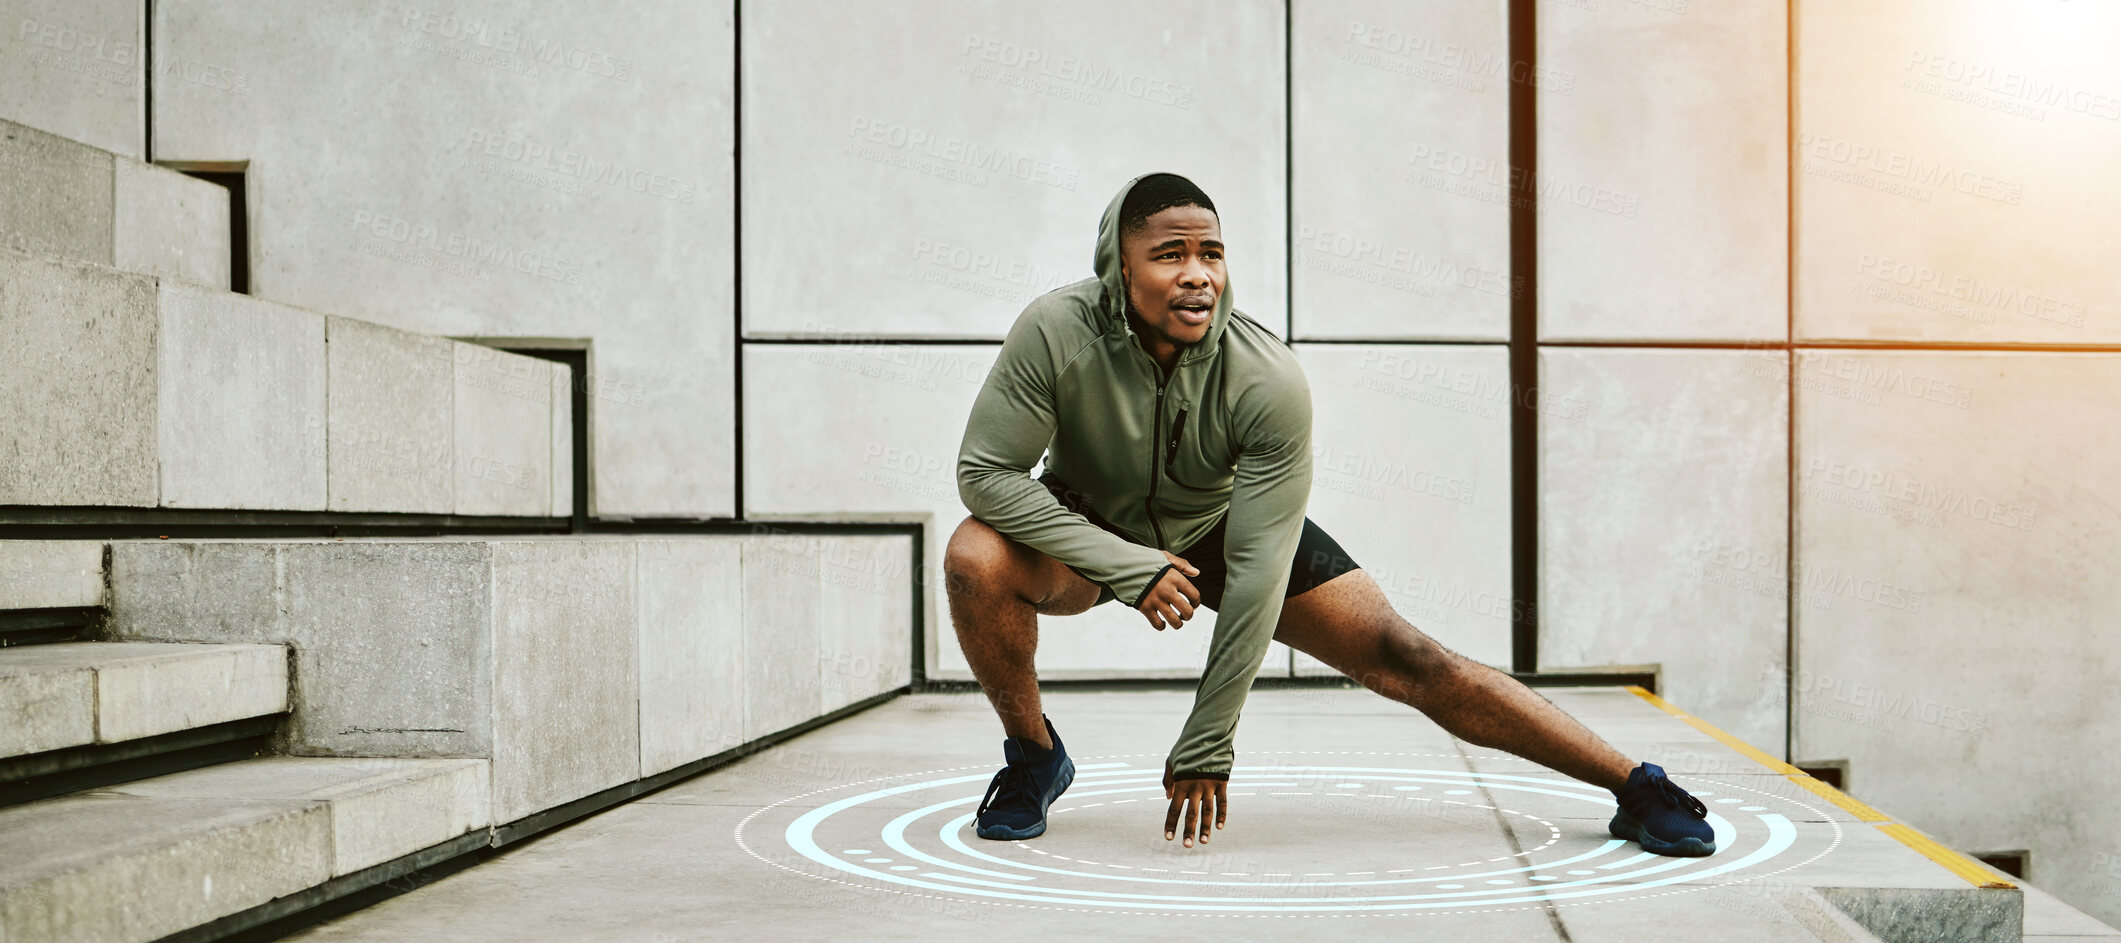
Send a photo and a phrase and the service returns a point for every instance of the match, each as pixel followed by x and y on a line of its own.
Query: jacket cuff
pixel 1153 580
pixel 1223 777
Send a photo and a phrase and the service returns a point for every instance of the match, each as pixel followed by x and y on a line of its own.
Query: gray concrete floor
pixel 1349 815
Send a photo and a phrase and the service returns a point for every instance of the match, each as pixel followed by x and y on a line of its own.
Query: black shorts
pixel 1318 556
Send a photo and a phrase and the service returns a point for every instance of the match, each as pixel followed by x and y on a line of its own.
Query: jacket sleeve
pixel 1272 487
pixel 1011 424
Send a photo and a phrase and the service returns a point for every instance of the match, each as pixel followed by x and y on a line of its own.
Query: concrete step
pixel 80 202
pixel 124 390
pixel 578 663
pixel 70 694
pixel 51 574
pixel 147 859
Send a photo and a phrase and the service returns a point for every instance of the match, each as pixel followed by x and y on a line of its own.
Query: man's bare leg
pixel 1348 624
pixel 997 588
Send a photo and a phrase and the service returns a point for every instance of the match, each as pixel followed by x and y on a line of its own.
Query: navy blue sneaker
pixel 1662 817
pixel 1015 805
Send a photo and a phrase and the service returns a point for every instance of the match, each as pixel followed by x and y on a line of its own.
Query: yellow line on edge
pixel 1952 861
pixel 1966 868
pixel 1854 806
pixel 1751 752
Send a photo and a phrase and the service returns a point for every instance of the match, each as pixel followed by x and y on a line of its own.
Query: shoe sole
pixel 1035 829
pixel 1628 829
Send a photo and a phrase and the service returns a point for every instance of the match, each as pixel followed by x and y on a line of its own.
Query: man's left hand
pixel 1202 800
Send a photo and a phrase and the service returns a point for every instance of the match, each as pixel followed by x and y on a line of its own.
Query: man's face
pixel 1174 272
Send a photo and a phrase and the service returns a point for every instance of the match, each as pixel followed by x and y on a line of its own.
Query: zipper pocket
pixel 1178 431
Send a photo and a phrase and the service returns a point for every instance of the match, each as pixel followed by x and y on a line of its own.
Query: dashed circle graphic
pixel 1104 851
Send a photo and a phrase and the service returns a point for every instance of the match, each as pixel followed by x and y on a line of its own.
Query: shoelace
pixel 1676 797
pixel 1021 781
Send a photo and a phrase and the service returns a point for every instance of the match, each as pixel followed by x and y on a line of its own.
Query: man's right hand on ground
pixel 1172 600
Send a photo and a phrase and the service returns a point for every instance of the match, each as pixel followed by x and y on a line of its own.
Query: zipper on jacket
pixel 1178 429
pixel 1149 503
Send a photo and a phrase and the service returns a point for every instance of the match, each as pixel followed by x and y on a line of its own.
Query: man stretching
pixel 1170 421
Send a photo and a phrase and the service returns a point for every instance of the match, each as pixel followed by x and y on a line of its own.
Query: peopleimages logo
pixel 2007 86
pixel 1887 162
pixel 1464 174
pixel 1319 248
pixel 79 42
pixel 874 138
pixel 1361 469
pixel 513 50
pixel 578 166
pixel 969 260
pixel 1406 52
pixel 1875 698
pixel 423 244
pixel 1926 280
pixel 1074 70
pixel 1920 494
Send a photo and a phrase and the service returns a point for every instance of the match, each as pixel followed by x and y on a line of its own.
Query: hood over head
pixel 1106 264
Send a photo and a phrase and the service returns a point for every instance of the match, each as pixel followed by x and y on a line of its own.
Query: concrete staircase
pixel 240 730
pixel 200 737
pixel 131 377
pixel 139 796
pixel 129 851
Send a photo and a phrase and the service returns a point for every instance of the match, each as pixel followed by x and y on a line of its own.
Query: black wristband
pixel 1158 578
pixel 1222 777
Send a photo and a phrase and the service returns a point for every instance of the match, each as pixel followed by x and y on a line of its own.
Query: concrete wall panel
pixel 392 428
pixel 1662 130
pixel 1664 525
pixel 566 673
pixel 503 432
pixel 865 629
pixel 242 411
pixel 194 591
pixel 692 650
pixel 1946 185
pixel 559 172
pixel 782 634
pixel 77 384
pixel 393 647
pixel 58 195
pixel 885 450
pixel 169 225
pixel 75 68
pixel 1410 473
pixel 1955 532
pixel 951 174
pixel 1401 184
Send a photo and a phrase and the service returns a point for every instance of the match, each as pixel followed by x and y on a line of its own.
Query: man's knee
pixel 1412 655
pixel 976 557
pixel 979 560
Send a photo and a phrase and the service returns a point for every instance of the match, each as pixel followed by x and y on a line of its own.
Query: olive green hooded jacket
pixel 1162 460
